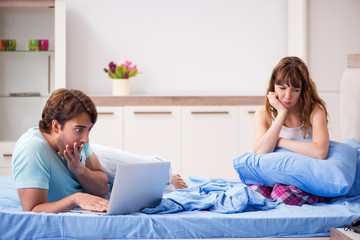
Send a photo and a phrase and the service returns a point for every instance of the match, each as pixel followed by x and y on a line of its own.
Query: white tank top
pixel 293 133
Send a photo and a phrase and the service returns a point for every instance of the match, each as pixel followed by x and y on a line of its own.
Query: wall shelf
pixel 27 3
pixel 27 51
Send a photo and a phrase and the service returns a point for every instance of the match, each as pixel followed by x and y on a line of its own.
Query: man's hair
pixel 64 105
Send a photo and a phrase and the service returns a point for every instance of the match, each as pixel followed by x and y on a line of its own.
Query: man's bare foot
pixel 177 181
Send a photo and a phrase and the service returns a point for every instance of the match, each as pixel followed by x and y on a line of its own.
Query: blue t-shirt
pixel 36 164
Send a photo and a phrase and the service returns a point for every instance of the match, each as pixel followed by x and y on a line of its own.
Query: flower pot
pixel 121 87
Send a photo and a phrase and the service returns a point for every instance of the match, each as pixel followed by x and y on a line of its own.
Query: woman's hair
pixel 293 72
pixel 64 105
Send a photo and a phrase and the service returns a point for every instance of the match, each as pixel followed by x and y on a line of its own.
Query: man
pixel 54 168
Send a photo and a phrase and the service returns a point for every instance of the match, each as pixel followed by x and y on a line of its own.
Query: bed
pixel 282 221
pixel 279 221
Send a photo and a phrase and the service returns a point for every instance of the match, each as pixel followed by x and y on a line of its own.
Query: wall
pixel 182 47
pixel 210 47
pixel 333 33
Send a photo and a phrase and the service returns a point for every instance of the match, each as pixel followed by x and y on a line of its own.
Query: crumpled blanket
pixel 216 195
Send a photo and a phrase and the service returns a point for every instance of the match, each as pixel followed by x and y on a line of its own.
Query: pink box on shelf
pixel 43 44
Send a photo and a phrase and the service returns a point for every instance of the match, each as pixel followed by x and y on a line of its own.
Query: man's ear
pixel 56 127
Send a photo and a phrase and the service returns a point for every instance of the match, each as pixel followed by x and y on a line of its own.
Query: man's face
pixel 75 130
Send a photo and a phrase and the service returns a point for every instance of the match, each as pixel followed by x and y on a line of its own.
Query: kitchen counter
pixel 177 100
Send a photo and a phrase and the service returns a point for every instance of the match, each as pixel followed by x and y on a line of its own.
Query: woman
pixel 293 110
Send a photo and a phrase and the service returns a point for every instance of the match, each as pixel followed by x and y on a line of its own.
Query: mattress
pixel 282 221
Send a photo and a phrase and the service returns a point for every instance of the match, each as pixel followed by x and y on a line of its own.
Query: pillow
pixel 355 189
pixel 110 157
pixel 328 178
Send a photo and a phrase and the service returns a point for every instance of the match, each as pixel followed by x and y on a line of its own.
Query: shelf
pixel 27 51
pixel 27 3
pixel 8 97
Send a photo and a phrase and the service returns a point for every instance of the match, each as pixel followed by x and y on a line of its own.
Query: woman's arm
pixel 267 132
pixel 319 146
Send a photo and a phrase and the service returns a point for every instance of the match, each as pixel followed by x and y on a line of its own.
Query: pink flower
pixel 123 70
pixel 127 64
pixel 112 67
pixel 132 68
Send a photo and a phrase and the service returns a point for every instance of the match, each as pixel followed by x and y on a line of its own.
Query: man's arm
pixel 92 177
pixel 35 199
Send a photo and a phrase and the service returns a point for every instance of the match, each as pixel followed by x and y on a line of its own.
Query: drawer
pixel 6 149
pixel 5 171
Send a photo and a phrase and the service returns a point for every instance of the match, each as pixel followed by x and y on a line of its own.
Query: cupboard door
pixel 246 128
pixel 18 114
pixel 6 149
pixel 209 141
pixel 153 130
pixel 108 129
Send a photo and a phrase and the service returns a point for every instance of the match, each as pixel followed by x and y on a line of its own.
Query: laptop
pixel 138 186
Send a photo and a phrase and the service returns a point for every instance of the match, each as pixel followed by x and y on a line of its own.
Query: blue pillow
pixel 355 189
pixel 328 178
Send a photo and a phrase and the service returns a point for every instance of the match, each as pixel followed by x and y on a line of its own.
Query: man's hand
pixel 72 156
pixel 91 202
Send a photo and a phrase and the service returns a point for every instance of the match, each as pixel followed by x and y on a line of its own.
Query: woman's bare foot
pixel 177 181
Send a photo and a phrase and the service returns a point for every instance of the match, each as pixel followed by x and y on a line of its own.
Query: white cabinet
pixel 246 128
pixel 209 141
pixel 197 140
pixel 25 73
pixel 6 149
pixel 108 129
pixel 153 130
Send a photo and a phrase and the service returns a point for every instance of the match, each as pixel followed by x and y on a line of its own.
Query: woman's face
pixel 288 95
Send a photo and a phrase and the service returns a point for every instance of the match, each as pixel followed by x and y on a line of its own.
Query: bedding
pixel 355 188
pixel 281 221
pixel 327 178
pixel 216 195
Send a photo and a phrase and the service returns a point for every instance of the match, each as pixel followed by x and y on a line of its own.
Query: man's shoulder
pixel 32 140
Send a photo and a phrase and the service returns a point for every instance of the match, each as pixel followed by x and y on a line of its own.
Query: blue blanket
pixel 216 195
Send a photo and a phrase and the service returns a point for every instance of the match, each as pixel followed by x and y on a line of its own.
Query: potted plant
pixel 120 74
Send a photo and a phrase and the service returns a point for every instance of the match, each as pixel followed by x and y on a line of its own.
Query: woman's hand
pixel 275 102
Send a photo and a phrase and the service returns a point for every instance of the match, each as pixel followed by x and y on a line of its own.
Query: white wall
pixel 333 33
pixel 182 47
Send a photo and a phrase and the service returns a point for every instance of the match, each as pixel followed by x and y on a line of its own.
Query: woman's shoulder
pixel 260 115
pixel 318 108
pixel 261 110
pixel 318 111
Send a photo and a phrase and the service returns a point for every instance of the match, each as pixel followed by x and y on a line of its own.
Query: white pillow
pixel 110 157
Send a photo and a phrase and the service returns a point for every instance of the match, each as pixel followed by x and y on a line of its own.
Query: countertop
pixel 177 100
